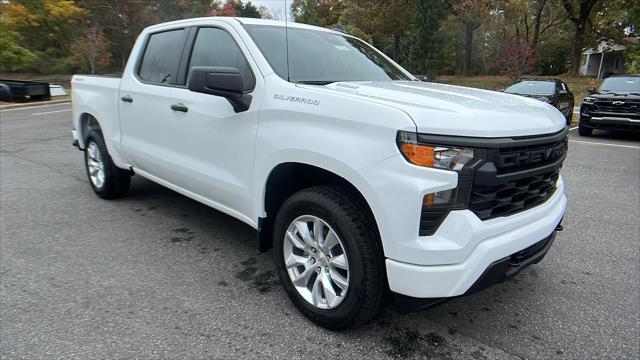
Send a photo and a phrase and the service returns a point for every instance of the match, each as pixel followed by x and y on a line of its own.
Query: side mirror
pixel 591 91
pixel 220 81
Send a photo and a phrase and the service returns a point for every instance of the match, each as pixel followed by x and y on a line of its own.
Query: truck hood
pixel 455 110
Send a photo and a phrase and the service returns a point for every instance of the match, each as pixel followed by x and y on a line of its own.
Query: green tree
pixel 471 14
pixel 12 56
pixel 46 28
pixel 325 13
pixel 247 10
pixel 427 44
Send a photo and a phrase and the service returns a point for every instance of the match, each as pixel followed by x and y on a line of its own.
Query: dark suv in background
pixel 614 106
pixel 553 91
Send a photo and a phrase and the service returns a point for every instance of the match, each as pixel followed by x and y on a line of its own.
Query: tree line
pixel 429 37
pixel 473 37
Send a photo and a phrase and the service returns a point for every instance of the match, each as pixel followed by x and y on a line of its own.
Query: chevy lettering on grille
pixel 529 157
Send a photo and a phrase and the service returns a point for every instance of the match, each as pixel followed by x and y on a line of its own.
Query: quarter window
pixel 161 57
pixel 215 47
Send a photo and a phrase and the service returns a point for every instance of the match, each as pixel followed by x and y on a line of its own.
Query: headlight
pixel 589 100
pixel 436 156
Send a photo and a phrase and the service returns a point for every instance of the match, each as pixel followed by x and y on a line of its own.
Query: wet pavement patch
pixel 263 281
pixel 249 261
pixel 183 230
pixel 181 239
pixel 407 343
pixel 247 273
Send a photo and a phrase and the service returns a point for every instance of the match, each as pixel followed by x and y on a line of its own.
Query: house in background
pixel 603 60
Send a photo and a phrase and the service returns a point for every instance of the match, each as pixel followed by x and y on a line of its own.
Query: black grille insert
pixel 506 199
pixel 620 107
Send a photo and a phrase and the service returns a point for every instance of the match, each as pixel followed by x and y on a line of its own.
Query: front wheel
pixel 328 258
pixel 106 179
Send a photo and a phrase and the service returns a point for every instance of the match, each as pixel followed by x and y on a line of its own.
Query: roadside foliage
pixel 428 37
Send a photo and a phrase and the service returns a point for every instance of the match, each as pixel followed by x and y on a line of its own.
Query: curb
pixel 32 104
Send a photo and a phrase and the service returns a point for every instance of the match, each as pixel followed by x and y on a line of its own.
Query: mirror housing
pixel 591 91
pixel 220 81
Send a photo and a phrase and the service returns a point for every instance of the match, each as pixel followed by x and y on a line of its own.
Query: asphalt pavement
pixel 157 275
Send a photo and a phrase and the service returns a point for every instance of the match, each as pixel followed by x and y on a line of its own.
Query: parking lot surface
pixel 157 275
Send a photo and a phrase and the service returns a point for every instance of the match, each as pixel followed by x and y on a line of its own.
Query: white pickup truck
pixel 362 178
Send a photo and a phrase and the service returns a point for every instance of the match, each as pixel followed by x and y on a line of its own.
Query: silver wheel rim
pixel 316 262
pixel 95 165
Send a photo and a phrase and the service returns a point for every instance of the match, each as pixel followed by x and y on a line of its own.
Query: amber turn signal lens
pixel 418 154
pixel 427 200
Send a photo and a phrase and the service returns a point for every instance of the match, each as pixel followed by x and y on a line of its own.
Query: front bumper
pixel 621 121
pixel 484 242
pixel 499 271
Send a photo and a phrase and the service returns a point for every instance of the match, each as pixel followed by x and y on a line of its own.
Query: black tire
pixel 338 207
pixel 116 180
pixel 584 131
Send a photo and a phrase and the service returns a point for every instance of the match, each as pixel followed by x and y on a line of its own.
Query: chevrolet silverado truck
pixel 367 183
pixel 614 106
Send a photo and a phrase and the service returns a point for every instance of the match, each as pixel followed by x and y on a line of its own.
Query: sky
pixel 277 7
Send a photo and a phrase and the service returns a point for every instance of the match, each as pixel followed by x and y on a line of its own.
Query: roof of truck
pixel 241 20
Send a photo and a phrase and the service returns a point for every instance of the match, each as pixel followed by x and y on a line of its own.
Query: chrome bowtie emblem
pixel 618 103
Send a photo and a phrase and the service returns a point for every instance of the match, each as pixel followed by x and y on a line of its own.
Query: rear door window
pixel 162 56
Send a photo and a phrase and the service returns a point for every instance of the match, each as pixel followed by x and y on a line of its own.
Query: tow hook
pixel 559 228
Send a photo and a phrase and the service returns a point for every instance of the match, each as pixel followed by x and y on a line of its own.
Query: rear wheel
pixel 328 258
pixel 584 131
pixel 107 180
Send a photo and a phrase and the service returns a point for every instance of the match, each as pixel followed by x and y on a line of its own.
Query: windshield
pixel 319 57
pixel 532 88
pixel 621 85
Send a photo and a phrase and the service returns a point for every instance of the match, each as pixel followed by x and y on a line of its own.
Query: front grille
pixel 517 177
pixel 527 157
pixel 507 176
pixel 506 199
pixel 608 107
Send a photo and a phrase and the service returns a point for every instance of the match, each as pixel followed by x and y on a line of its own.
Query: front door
pixel 213 145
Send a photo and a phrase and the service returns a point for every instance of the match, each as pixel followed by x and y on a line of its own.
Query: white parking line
pixel 573 128
pixel 50 112
pixel 604 144
pixel 34 107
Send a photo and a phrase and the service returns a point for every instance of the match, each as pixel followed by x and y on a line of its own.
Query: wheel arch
pixel 287 178
pixel 86 123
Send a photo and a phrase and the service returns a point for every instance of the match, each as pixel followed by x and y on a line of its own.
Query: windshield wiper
pixel 316 82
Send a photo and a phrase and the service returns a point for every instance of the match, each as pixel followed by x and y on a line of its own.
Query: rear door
pixel 213 145
pixel 145 102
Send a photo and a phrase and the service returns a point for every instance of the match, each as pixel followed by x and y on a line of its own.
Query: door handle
pixel 179 107
pixel 127 98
